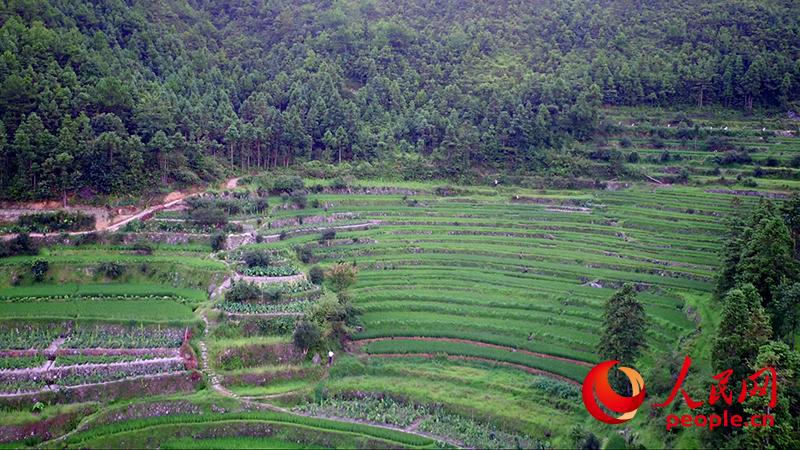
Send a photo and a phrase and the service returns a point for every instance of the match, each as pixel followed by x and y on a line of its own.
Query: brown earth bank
pixel 251 428
pixel 262 378
pixel 750 193
pixel 254 355
pixel 148 385
pixel 109 219
pixel 44 429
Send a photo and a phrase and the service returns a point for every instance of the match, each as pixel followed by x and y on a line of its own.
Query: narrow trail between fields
pixel 171 199
pixel 265 315
pixel 270 280
pixel 216 385
pixel 360 343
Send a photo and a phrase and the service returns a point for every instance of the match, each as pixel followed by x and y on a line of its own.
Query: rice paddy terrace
pixel 451 286
pixel 479 310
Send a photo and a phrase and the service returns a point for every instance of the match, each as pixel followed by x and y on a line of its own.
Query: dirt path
pixel 414 425
pixel 169 200
pixel 233 183
pixel 212 376
pixel 363 342
pixel 266 315
pixel 271 280
pixel 530 370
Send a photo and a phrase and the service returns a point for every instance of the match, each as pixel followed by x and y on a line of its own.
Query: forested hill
pixel 111 96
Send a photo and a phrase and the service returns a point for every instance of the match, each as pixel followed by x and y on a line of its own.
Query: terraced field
pixel 479 307
pixel 515 278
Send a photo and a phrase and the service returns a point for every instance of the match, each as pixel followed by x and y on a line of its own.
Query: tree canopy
pixel 112 97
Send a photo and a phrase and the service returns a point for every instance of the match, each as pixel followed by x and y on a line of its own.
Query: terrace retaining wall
pixel 253 355
pixel 151 385
pixel 310 220
pixel 44 429
pixel 132 368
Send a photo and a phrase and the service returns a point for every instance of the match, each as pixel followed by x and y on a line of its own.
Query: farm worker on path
pixel 330 357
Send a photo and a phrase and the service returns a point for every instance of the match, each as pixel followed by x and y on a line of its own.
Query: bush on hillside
pixel 316 275
pixel 243 292
pixel 287 184
pixel 256 258
pixel 218 242
pixel 110 270
pixel 20 245
pixel 39 269
pixel 46 222
pixel 209 216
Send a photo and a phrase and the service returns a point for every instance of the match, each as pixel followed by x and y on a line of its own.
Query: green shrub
pixel 209 216
pixel 733 157
pixel 340 183
pixel 717 144
pixel 304 254
pixel 218 242
pixel 307 335
pixel 327 235
pixel 110 270
pixel 286 184
pixel 87 239
pixel 243 293
pixel 341 276
pixel 316 275
pixel 256 258
pixel 143 248
pixel 299 199
pixel 39 269
pixel 20 245
pixel 56 221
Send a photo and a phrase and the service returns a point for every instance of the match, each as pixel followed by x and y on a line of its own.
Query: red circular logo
pixel 597 388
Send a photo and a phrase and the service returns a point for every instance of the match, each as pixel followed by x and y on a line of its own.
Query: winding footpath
pixel 169 201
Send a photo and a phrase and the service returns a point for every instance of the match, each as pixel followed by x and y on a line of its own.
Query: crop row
pixel 21 362
pixel 279 271
pixel 434 420
pixel 120 290
pixel 98 257
pixel 558 367
pixel 266 308
pixel 141 425
pixel 115 310
pixel 72 360
pixel 121 336
pixel 21 335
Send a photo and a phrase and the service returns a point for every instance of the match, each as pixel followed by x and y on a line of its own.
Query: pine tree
pixel 731 255
pixel 785 312
pixel 767 257
pixel 743 328
pixel 791 216
pixel 623 334
pixel 783 433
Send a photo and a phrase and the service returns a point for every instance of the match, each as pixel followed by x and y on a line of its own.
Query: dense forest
pixel 116 96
